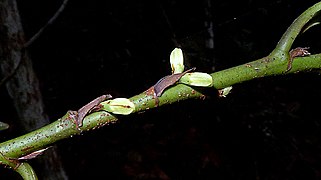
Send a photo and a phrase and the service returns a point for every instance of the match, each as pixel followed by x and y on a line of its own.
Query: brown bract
pixel 168 81
pixel 297 52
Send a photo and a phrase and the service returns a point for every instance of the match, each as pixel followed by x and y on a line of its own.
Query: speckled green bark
pixel 264 67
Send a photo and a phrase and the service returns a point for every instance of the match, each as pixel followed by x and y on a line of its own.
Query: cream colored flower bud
pixel 197 79
pixel 118 106
pixel 225 91
pixel 177 61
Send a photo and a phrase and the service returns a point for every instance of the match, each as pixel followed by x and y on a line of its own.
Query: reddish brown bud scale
pixel 82 112
pixel 168 81
pixel 297 52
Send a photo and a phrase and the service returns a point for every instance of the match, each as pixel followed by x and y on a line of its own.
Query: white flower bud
pixel 177 61
pixel 118 106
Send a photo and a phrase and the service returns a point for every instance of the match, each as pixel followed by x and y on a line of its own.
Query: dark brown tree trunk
pixel 22 85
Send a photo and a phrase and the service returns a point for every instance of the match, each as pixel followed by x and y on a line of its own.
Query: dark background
pixel 265 129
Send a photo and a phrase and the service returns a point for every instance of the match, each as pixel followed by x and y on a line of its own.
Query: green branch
pixel 286 41
pixel 65 127
pixel 262 68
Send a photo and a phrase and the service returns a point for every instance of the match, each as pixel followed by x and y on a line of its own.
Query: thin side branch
pixel 33 38
pixel 53 18
pixel 286 41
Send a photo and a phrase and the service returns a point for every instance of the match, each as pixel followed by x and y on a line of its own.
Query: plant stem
pixel 271 65
pixel 286 41
pixel 65 127
pixel 264 67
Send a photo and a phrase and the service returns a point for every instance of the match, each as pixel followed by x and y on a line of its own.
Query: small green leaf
pixel 225 91
pixel 118 106
pixel 197 79
pixel 177 61
pixel 3 126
